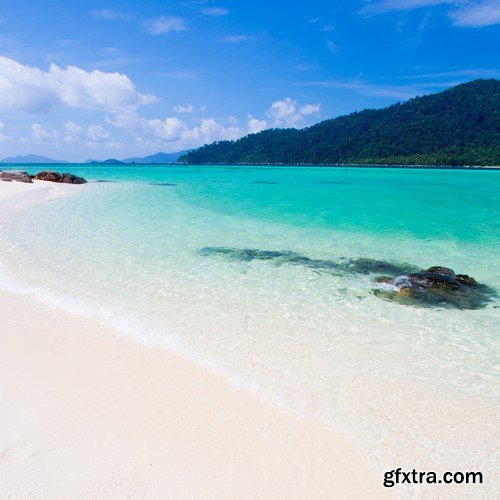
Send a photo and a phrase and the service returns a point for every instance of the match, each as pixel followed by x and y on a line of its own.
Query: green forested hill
pixel 460 126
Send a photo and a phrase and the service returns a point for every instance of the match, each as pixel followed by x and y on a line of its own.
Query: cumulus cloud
pixel 72 131
pixel 309 109
pixel 96 133
pixel 172 133
pixel 165 24
pixel 40 135
pixel 31 89
pixel 255 125
pixel 91 136
pixel 289 112
pixel 188 108
pixel 215 11
pixel 175 130
pixel 470 13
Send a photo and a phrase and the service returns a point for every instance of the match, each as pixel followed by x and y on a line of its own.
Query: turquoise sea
pixel 211 263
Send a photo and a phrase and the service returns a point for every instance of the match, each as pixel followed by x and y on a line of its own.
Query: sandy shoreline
pixel 89 414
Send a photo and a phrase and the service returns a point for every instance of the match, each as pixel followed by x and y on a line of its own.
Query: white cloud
pixel 255 125
pixel 72 131
pixel 31 89
pixel 309 109
pixel 188 108
pixel 72 128
pixel 236 39
pixel 92 136
pixel 469 13
pixel 110 15
pixel 127 126
pixel 39 135
pixel 381 6
pixel 288 112
pixel 332 46
pixel 174 130
pixel 393 91
pixel 165 24
pixel 215 11
pixel 3 137
pixel 96 133
pixel 485 13
pixel 173 133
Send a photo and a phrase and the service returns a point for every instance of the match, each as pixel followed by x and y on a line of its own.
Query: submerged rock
pixel 402 283
pixel 437 286
pixel 249 254
pixel 51 176
pixel 279 257
pixel 15 175
pixel 167 184
pixel 374 266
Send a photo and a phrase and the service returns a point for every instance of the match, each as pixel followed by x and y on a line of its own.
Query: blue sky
pixel 99 79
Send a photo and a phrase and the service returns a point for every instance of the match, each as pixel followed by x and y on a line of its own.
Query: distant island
pixel 459 126
pixel 155 159
pixel 31 159
pixel 158 158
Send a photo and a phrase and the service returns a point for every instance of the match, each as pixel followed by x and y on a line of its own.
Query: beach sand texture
pixel 88 414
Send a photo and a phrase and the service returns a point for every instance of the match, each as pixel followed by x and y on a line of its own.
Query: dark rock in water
pixel 15 175
pixel 279 257
pixel 438 286
pixel 445 271
pixel 465 279
pixel 374 266
pixel 248 254
pixel 402 283
pixel 162 184
pixel 384 279
pixel 50 176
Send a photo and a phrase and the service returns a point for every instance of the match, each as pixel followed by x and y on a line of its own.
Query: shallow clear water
pixel 314 340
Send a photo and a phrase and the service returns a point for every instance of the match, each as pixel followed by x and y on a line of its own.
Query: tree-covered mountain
pixel 460 126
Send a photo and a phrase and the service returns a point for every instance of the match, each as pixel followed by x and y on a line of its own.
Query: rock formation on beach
pixel 48 175
pixel 44 175
pixel 15 175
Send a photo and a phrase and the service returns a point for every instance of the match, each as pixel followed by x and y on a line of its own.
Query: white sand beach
pixel 89 414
